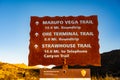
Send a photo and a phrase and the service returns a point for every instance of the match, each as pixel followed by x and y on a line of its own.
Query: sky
pixel 15 23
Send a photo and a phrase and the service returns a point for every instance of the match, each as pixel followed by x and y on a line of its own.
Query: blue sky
pixel 15 23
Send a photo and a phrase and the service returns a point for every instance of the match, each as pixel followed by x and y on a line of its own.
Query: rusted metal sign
pixel 74 38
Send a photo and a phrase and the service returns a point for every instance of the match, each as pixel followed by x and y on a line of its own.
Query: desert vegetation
pixel 23 72
pixel 109 69
pixel 18 72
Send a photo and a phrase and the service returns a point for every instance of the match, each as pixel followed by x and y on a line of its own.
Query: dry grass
pixel 23 72
pixel 106 78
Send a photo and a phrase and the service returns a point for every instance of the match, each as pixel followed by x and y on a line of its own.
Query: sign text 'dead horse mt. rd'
pixel 74 38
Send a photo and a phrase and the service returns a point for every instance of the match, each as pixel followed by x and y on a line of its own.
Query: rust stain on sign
pixel 53 39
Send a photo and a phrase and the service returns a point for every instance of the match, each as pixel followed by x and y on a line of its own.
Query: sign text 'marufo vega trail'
pixel 74 38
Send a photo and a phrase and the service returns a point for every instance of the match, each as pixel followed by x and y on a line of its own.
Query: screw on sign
pixel 75 38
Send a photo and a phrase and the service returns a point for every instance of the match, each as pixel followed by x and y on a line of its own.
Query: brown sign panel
pixel 67 73
pixel 74 38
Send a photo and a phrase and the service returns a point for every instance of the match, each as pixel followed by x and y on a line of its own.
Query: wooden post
pixel 65 66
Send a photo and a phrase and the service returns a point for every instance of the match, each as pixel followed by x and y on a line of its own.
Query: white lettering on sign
pixel 51 56
pixel 84 46
pixel 71 22
pixel 52 22
pixel 86 34
pixel 67 37
pixel 47 34
pixel 77 51
pixel 86 22
pixel 58 46
pixel 65 34
pixel 71 27
pixel 68 22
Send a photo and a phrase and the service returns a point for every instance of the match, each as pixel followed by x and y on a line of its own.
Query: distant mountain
pixel 110 64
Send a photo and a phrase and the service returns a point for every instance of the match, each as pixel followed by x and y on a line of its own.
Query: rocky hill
pixel 18 71
pixel 110 64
